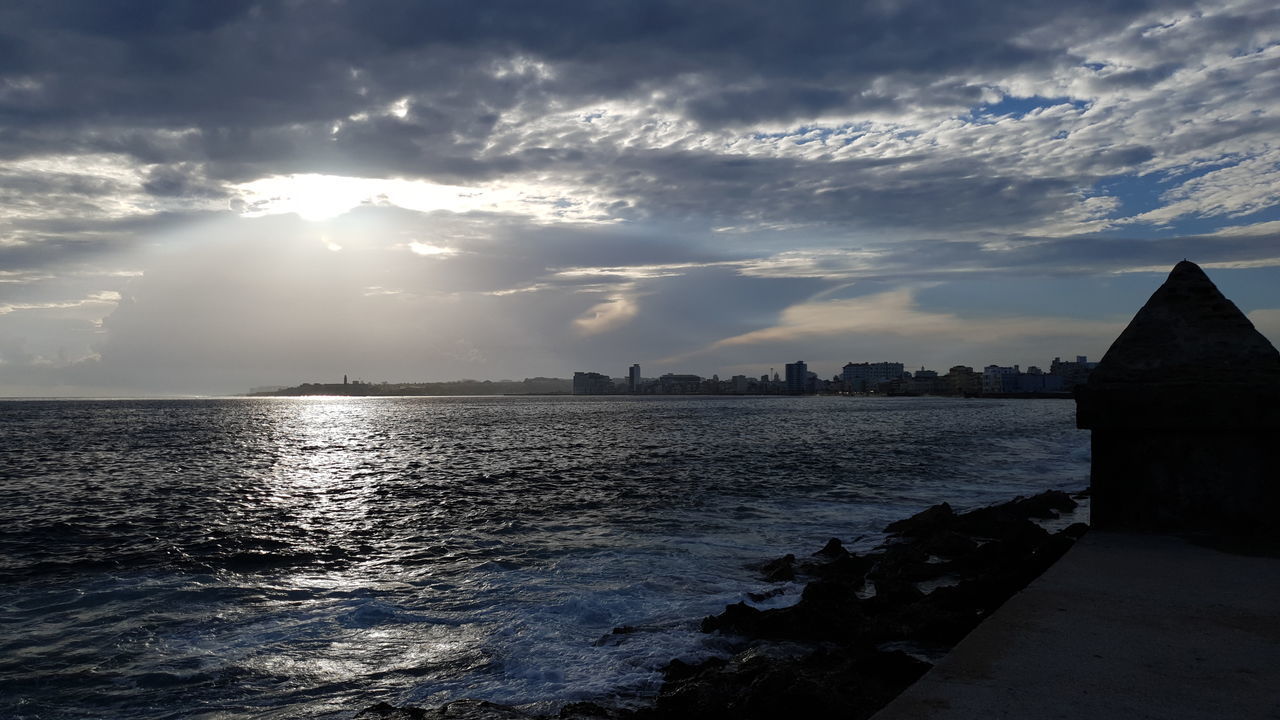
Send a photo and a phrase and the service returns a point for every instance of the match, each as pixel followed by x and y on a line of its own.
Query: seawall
pixel 1126 626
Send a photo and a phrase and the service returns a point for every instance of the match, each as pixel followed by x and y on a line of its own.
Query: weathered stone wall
pixel 1222 482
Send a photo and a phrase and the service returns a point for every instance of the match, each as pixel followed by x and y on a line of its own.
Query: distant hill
pixel 528 386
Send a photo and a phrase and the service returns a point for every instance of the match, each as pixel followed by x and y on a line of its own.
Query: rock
pixel 737 619
pixel 818 684
pixel 833 549
pixel 781 570
pixel 678 670
pixel 1000 522
pixel 590 711
pixel 947 544
pixel 615 637
pixel 762 596
pixel 906 562
pixel 932 520
pixel 827 612
pixel 1045 505
pixel 849 569
pixel 940 521
pixel 1075 531
pixel 932 545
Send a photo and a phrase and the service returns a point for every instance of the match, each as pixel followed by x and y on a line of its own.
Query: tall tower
pixel 633 379
pixel 797 375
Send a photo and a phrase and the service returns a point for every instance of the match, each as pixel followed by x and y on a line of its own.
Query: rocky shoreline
pixel 861 632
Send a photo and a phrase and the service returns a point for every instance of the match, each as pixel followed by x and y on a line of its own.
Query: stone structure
pixel 1185 414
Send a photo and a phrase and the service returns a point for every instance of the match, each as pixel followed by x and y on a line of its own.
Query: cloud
pixel 895 313
pixel 1267 321
pixel 1268 229
pixel 1239 189
pixel 932 259
pixel 606 179
pixel 630 114
pixel 322 197
pixel 606 316
pixel 98 298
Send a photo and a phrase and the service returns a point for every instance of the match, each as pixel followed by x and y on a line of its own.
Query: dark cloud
pixel 237 65
pixel 1139 78
pixel 933 259
pixel 862 194
pixel 70 243
pixel 181 181
pixel 712 163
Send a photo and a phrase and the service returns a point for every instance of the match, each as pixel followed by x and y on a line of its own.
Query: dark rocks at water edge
pixel 859 633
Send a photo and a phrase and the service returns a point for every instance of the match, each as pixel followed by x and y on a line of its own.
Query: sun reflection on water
pixel 335 620
pixel 322 447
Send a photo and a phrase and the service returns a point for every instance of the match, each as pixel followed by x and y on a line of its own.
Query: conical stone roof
pixel 1189 332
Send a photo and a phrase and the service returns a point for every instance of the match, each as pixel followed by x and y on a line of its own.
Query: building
pixel 866 377
pixel 675 384
pixel 1039 382
pixel 1072 373
pixel 633 379
pixel 797 377
pixel 998 379
pixel 926 382
pixel 592 383
pixel 962 380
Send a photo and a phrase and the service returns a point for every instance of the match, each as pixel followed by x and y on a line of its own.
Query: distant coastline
pixel 357 388
pixel 556 387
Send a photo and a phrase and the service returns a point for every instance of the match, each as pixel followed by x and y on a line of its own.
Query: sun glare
pixel 421 248
pixel 324 197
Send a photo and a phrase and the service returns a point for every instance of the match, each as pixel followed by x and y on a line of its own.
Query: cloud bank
pixel 201 197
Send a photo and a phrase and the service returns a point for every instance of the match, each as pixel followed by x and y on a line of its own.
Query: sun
pixel 310 197
pixel 318 198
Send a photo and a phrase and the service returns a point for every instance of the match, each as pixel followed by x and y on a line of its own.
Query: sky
pixel 204 197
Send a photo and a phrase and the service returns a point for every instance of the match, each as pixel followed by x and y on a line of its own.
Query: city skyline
pixel 512 189
pixel 795 379
pixel 1058 376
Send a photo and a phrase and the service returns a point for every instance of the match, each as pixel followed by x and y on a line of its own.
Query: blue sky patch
pixel 1020 107
pixel 1139 194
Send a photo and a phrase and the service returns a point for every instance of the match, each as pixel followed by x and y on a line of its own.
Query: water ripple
pixel 303 557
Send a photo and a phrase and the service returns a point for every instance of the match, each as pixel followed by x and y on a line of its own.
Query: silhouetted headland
pixel 528 386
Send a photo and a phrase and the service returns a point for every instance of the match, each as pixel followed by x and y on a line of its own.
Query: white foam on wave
pixel 550 629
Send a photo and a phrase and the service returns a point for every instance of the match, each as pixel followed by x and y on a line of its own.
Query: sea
pixel 309 557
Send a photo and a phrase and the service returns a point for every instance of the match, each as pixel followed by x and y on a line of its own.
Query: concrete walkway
pixel 1123 626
